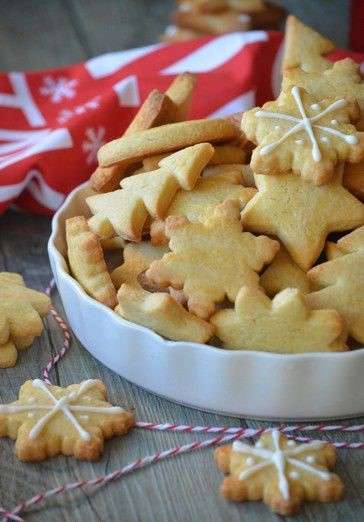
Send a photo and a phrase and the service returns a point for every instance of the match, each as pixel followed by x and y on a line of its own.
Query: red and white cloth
pixel 53 122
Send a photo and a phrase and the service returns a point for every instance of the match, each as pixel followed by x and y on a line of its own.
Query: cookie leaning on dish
pixel 284 325
pixel 86 261
pixel 21 310
pixel 339 283
pixel 159 310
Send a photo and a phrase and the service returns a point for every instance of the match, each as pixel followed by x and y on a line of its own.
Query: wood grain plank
pixel 37 35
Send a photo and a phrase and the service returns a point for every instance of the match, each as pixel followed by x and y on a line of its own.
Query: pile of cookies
pixel 196 18
pixel 224 223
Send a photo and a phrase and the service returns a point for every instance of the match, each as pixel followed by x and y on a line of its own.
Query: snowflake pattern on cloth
pixel 94 140
pixel 58 89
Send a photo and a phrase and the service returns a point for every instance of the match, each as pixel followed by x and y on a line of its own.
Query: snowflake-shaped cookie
pixel 280 472
pixel 48 420
pixel 21 309
pixel 301 134
pixel 212 259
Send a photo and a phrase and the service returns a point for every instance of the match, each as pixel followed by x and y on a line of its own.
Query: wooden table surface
pixel 47 33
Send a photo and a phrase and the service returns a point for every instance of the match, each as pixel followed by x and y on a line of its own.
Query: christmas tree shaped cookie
pixel 340 283
pixel 284 325
pixel 211 260
pixel 125 211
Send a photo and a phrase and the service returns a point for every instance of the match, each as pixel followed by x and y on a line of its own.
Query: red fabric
pixel 357 25
pixel 53 122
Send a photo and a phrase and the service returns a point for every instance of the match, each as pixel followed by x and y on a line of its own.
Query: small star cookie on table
pixel 284 325
pixel 300 133
pixel 280 472
pixel 48 420
pixel 301 214
pixel 212 259
pixel 21 310
pixel 339 283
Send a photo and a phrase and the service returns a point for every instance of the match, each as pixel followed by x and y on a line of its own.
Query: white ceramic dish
pixel 249 384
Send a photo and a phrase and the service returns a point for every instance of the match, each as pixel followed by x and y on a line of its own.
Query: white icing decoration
pixel 315 107
pixel 310 459
pixel 250 461
pixel 307 124
pixel 277 127
pixel 325 139
pixel 30 415
pixel 85 417
pixel 60 405
pixel 279 457
pixel 300 142
pixel 294 474
pixel 334 121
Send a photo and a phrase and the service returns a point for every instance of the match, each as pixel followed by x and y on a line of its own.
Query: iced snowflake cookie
pixel 124 212
pixel 301 214
pixel 87 263
pixel 211 260
pixel 284 325
pixel 21 309
pixel 280 472
pixel 158 310
pixel 340 282
pixel 303 134
pixel 47 420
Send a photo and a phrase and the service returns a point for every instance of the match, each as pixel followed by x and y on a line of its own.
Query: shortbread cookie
pixel 199 203
pixel 284 325
pixel 304 47
pixel 301 214
pixel 124 212
pixel 180 93
pixel 159 311
pixel 283 273
pixel 341 79
pixel 163 314
pixel 303 134
pixel 353 179
pixel 280 472
pixel 244 171
pixel 21 309
pixel 211 260
pixel 167 138
pixel 137 258
pixel 86 261
pixel 340 283
pixel 48 420
pixel 214 24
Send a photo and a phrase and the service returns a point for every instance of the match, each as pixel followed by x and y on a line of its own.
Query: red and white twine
pixel 223 434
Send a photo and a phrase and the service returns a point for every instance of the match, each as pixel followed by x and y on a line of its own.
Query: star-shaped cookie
pixel 301 214
pixel 21 309
pixel 280 472
pixel 284 325
pixel 211 260
pixel 303 134
pixel 340 283
pixel 48 420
